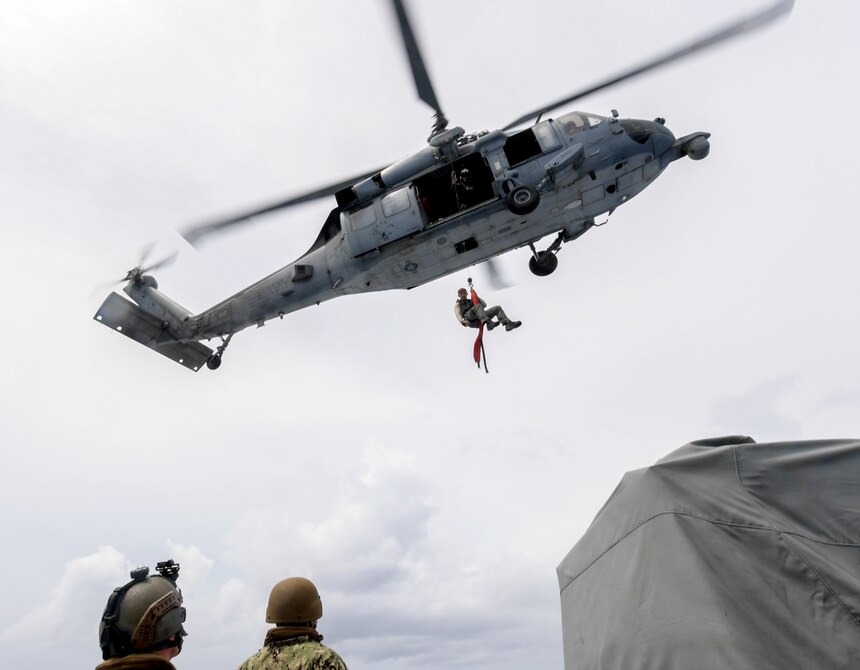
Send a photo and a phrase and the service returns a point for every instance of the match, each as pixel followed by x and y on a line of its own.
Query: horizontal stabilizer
pixel 129 319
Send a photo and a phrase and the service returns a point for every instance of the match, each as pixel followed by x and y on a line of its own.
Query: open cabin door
pixel 383 220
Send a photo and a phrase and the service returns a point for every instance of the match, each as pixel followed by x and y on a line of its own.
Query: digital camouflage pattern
pixel 298 653
pixel 136 662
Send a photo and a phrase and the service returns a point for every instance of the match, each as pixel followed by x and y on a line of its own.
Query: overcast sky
pixel 356 443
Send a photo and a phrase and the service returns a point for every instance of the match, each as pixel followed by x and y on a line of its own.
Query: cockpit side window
pixel 572 123
pixel 530 143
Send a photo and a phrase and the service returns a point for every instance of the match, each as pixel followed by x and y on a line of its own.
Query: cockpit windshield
pixel 574 122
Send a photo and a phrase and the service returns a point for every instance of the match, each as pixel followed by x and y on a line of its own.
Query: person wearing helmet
pixel 141 627
pixel 464 189
pixel 474 315
pixel 294 643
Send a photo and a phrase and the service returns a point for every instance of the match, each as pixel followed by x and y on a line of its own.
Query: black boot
pixel 491 324
pixel 513 324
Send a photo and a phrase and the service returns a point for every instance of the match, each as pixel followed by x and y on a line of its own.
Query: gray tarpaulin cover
pixel 724 554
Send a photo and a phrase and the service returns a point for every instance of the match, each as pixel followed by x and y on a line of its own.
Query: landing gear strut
pixel 214 361
pixel 543 263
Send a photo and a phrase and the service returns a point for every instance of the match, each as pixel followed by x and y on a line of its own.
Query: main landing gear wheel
pixel 523 199
pixel 543 264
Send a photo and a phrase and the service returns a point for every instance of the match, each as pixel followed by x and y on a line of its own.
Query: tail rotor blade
pixel 164 262
pixel 144 253
pixel 135 273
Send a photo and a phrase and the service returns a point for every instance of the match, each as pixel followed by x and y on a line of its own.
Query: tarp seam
pixel 651 518
pixel 718 522
pixel 784 537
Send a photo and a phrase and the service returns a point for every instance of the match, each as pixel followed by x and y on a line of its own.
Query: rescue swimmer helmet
pixel 294 600
pixel 142 615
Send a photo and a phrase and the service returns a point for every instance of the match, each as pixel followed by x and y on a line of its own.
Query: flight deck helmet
pixel 142 615
pixel 294 601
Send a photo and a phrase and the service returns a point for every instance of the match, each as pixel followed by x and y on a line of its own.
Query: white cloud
pixel 389 591
pixel 375 519
pixel 72 611
pixel 194 567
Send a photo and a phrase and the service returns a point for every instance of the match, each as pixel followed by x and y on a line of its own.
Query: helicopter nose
pixel 655 132
pixel 662 137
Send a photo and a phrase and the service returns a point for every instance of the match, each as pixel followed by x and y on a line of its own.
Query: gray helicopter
pixel 461 200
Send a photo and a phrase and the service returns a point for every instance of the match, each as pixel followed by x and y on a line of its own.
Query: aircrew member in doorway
pixel 464 189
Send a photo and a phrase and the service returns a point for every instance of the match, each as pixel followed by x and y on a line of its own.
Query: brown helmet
pixel 294 600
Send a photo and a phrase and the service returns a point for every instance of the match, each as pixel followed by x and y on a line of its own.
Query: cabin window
pixel 395 202
pixel 362 217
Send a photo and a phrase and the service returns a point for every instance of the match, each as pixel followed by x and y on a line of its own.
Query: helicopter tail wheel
pixel 214 361
pixel 523 199
pixel 543 263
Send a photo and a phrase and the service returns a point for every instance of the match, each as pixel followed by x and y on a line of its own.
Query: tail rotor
pixel 134 275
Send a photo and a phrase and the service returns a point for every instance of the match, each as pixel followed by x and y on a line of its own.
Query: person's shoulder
pixel 136 662
pixel 258 661
pixel 332 658
pixel 320 656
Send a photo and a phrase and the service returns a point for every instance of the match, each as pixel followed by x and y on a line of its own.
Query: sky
pixel 356 443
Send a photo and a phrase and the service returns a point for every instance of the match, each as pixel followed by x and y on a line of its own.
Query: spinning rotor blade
pixel 419 71
pixel 194 234
pixel 733 30
pixel 164 262
pixel 142 268
pixel 496 277
pixel 138 270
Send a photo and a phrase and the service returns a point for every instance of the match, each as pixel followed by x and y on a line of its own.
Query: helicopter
pixel 461 200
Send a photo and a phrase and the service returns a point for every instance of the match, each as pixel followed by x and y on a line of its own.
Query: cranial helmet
pixel 140 616
pixel 294 600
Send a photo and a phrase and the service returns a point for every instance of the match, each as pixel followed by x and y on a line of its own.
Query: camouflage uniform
pixel 474 315
pixel 286 650
pixel 136 662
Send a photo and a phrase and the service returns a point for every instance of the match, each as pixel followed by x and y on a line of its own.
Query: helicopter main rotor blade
pixel 419 71
pixel 746 24
pixel 194 234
